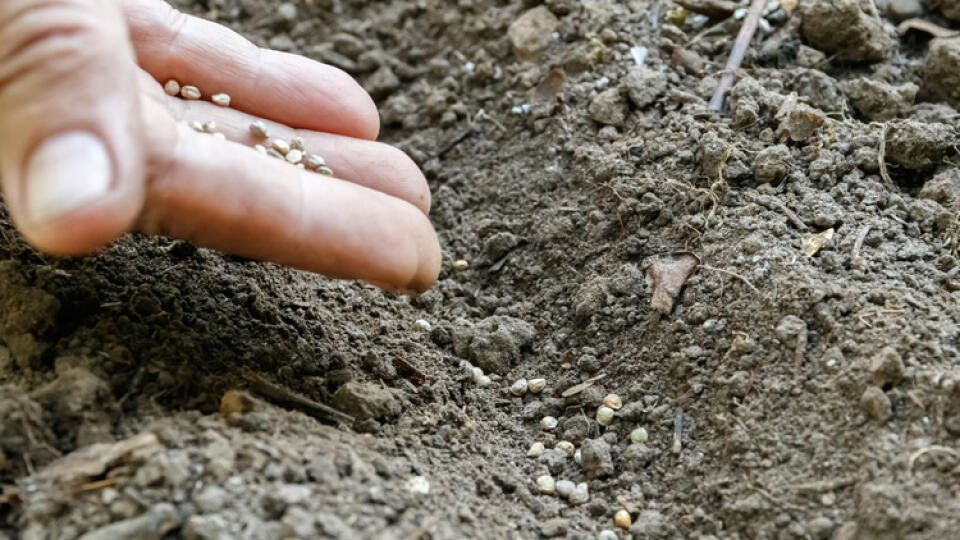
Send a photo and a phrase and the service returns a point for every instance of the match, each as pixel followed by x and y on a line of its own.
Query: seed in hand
pixel 172 88
pixel 190 92
pixel 294 156
pixel 222 100
pixel 258 129
pixel 281 146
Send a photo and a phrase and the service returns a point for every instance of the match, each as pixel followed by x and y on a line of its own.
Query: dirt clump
pixel 847 29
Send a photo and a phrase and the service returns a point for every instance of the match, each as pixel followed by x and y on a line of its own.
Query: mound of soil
pixel 770 290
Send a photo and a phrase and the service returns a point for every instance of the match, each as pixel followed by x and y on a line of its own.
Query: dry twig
pixel 736 55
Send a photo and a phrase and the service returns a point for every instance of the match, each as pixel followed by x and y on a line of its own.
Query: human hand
pixel 91 146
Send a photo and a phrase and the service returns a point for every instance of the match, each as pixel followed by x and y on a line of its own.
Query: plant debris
pixel 668 274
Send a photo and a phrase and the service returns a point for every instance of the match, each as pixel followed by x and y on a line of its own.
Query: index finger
pixel 286 88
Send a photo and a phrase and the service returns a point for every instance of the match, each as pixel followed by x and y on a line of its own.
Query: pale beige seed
pixel 326 171
pixel 294 156
pixel 190 92
pixel 222 100
pixel 297 143
pixel 258 129
pixel 219 135
pixel 536 449
pixel 613 401
pixel 566 447
pixel 274 154
pixel 260 148
pixel 604 415
pixel 196 126
pixel 315 161
pixel 172 88
pixel 622 519
pixel 210 127
pixel 461 265
pixel 281 146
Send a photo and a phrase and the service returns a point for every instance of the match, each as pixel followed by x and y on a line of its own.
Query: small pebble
pixel 566 447
pixel 622 519
pixel 172 88
pixel 639 436
pixel 281 146
pixel 210 127
pixel 607 534
pixel 536 449
pixel 536 385
pixel 295 157
pixel 297 143
pixel 223 100
pixel 476 373
pixel 548 423
pixel 565 488
pixel 484 380
pixel 581 494
pixel 546 484
pixel 190 92
pixel 604 415
pixel 613 401
pixel 519 388
pixel 460 265
pixel 258 129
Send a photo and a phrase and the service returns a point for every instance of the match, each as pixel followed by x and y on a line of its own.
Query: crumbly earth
pixel 812 358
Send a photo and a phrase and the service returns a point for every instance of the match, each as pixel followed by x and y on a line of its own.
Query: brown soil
pixel 814 372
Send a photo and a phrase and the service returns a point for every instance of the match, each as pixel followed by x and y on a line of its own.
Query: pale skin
pixel 91 147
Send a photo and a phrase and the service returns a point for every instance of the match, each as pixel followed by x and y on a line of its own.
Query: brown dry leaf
pixel 92 461
pixel 797 121
pixel 407 370
pixel 669 273
pixel 577 388
pixel 927 27
pixel 815 242
pixel 551 87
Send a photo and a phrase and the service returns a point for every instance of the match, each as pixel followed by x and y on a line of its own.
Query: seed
pixel 296 156
pixel 296 143
pixel 219 135
pixel 260 148
pixel 639 436
pixel 222 100
pixel 607 534
pixel 210 127
pixel 536 449
pixel 281 146
pixel 190 92
pixel 258 129
pixel 565 488
pixel 604 415
pixel 519 388
pixel 476 373
pixel 622 519
pixel 326 171
pixel 315 161
pixel 566 447
pixel 546 483
pixel 484 381
pixel 419 324
pixel 196 126
pixel 581 494
pixel 172 87
pixel 274 154
pixel 576 457
pixel 537 385
pixel 613 401
pixel 460 265
pixel 548 423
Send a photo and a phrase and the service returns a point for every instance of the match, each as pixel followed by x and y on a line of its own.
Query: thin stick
pixel 739 50
pixel 882 155
pixel 736 275
pixel 678 431
pixel 288 398
pixel 858 243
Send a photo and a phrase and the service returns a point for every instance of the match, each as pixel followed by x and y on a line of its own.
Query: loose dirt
pixel 801 383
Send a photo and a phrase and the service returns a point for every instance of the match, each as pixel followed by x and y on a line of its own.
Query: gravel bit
pixel 259 129
pixel 580 494
pixel 172 88
pixel 190 92
pixel 547 484
pixel 565 488
pixel 222 100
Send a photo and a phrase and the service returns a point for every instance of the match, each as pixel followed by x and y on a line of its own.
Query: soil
pixel 801 383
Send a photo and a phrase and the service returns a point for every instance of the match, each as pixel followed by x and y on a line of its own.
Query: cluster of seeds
pixel 292 151
pixel 477 374
pixel 575 493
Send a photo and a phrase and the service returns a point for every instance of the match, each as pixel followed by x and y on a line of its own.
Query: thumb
pixel 71 157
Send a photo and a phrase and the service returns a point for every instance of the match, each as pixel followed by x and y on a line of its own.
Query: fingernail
pixel 65 173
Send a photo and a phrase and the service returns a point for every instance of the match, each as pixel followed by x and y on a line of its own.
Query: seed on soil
pixel 218 135
pixel 258 129
pixel 172 88
pixel 536 449
pixel 604 415
pixel 476 373
pixel 295 157
pixel 223 100
pixel 577 457
pixel 519 388
pixel 315 161
pixel 536 385
pixel 260 148
pixel 548 423
pixel 547 484
pixel 190 92
pixel 607 534
pixel 613 401
pixel 460 265
pixel 565 488
pixel 210 127
pixel 281 146
pixel 297 143
pixel 566 447
pixel 419 324
pixel 581 494
pixel 484 380
pixel 622 519
pixel 639 436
